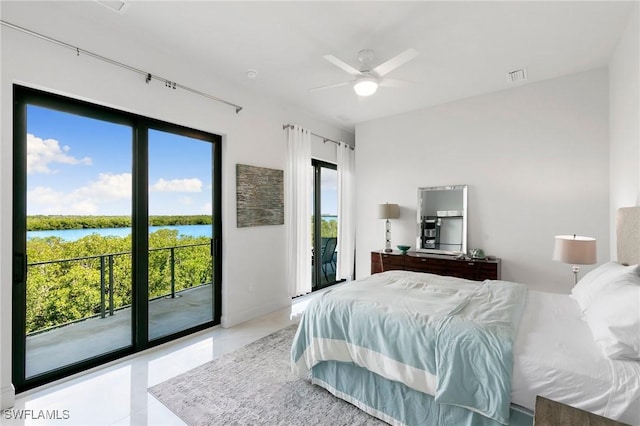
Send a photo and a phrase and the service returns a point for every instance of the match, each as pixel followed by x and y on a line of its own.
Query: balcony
pixel 175 303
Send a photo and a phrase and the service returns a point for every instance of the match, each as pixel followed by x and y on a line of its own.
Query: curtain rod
pixel 324 140
pixel 149 76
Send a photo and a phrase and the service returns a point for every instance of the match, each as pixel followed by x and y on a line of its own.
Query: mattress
pixel 452 338
pixel 555 356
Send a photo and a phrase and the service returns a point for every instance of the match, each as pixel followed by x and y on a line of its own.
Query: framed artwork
pixel 259 196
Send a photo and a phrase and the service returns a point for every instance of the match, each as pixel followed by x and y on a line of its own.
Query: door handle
pixel 19 267
pixel 215 247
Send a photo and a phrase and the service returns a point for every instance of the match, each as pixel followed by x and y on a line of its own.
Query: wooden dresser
pixel 478 270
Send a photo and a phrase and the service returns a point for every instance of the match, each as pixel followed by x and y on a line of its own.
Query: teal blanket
pixel 443 336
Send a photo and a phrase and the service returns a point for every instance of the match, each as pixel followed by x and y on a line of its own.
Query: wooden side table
pixel 552 413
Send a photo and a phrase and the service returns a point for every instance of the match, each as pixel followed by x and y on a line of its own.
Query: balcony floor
pixel 96 336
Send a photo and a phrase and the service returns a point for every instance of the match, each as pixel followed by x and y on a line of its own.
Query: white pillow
pixel 609 297
pixel 594 281
pixel 614 320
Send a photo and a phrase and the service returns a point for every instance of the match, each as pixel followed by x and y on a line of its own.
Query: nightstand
pixel 552 413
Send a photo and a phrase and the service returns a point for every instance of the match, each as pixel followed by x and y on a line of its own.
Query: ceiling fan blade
pixel 395 62
pixel 329 86
pixel 342 65
pixel 394 82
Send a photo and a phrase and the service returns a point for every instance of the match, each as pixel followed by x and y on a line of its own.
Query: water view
pixel 76 234
pixel 183 230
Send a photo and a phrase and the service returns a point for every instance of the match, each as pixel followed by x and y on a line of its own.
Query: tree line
pixel 45 223
pixel 61 292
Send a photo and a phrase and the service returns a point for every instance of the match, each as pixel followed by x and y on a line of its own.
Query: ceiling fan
pixel 367 79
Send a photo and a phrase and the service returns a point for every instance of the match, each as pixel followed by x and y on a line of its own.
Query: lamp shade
pixel 575 250
pixel 388 211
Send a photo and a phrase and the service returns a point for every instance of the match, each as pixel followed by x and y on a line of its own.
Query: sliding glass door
pixel 78 282
pixel 324 224
pixel 116 234
pixel 180 256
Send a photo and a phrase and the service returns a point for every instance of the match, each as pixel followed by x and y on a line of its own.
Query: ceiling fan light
pixel 365 86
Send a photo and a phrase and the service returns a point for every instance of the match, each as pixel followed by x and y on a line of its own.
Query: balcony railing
pixel 107 280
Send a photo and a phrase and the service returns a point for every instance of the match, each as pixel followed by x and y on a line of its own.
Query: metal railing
pixel 107 279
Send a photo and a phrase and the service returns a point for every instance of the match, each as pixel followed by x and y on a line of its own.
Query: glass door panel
pixel 180 233
pixel 78 239
pixel 328 225
pixel 325 224
pixel 314 230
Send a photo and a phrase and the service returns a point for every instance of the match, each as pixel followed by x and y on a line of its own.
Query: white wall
pixel 624 122
pixel 535 158
pixel 253 258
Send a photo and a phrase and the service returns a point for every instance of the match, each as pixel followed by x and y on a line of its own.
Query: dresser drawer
pixel 425 264
pixel 381 262
pixel 387 259
pixel 489 271
pixel 464 269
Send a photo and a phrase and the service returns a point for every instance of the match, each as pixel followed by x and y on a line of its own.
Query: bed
pixel 419 349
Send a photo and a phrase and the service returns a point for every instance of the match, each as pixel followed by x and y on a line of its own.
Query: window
pixel 116 234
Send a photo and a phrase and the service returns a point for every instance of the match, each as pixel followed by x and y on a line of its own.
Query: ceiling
pixel 465 48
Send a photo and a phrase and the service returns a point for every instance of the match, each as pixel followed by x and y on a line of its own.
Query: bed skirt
pixel 396 403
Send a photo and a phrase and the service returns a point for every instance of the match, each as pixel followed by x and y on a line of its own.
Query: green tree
pixel 67 286
pixel 45 223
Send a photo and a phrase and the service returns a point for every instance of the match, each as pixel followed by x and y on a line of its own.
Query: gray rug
pixel 254 386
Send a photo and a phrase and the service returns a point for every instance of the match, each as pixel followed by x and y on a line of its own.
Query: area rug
pixel 254 386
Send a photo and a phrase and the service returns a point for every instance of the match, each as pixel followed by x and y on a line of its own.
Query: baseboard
pixel 235 318
pixel 7 397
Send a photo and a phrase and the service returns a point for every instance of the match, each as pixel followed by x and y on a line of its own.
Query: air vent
pixel 115 5
pixel 517 75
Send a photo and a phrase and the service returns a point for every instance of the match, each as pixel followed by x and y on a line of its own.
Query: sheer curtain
pixel 346 212
pixel 298 184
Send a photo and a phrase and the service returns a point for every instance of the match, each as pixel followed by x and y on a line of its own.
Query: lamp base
pixel 387 237
pixel 576 270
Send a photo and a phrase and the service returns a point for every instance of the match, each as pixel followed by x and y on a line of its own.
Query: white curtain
pixel 346 212
pixel 298 185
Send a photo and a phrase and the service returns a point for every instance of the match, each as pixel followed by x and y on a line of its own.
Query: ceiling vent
pixel 115 5
pixel 517 75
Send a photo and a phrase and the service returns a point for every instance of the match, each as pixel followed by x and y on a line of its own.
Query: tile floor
pixel 116 394
pixel 94 336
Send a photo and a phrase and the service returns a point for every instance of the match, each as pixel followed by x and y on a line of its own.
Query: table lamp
pixel 388 211
pixel 575 250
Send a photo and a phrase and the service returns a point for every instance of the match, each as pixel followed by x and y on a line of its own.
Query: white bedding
pixel 555 356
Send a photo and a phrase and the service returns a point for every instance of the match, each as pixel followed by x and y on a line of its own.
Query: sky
pixel 329 192
pixel 82 166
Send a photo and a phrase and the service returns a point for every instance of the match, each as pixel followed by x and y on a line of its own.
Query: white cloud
pixel 42 153
pixel 108 187
pixel 44 195
pixel 84 200
pixel 44 200
pixel 84 207
pixel 177 185
pixel 109 192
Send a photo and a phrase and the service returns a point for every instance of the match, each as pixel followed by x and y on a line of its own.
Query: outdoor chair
pixel 327 260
